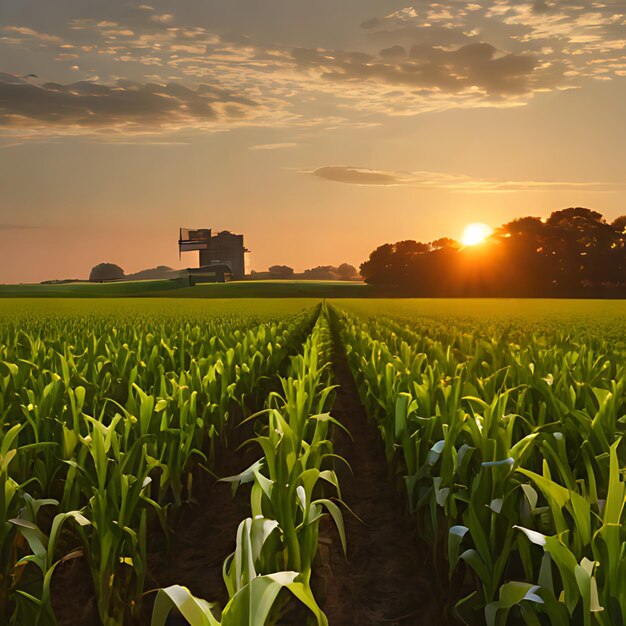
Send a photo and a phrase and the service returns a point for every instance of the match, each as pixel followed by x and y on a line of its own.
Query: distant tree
pixel 619 224
pixel 321 272
pixel 527 256
pixel 106 271
pixel 347 272
pixel 393 264
pixel 573 252
pixel 445 242
pixel 579 240
pixel 617 258
pixel 153 273
pixel 281 271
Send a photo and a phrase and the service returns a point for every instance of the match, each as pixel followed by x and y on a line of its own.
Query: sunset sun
pixel 475 234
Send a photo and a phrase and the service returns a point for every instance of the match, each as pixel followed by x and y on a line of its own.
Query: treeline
pixel 573 253
pixel 345 271
pixel 105 272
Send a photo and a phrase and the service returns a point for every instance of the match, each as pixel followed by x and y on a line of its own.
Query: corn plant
pixel 280 539
pixel 37 609
pixel 112 414
pixel 253 594
pixel 495 430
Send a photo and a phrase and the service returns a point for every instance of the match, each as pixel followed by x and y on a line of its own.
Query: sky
pixel 320 130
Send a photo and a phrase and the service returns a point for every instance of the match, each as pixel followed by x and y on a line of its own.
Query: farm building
pixel 213 273
pixel 223 248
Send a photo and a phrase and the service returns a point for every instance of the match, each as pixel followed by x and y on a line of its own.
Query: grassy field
pixel 278 289
pixel 89 290
pixel 178 289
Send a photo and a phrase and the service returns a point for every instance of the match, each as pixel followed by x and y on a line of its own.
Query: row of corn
pixel 290 484
pixel 104 424
pixel 510 448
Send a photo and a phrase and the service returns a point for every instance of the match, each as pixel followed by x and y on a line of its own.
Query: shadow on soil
pixel 384 581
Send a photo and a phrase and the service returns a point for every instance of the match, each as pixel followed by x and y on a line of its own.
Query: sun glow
pixel 475 233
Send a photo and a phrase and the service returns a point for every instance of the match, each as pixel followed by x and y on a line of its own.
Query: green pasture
pixel 179 289
pixel 89 290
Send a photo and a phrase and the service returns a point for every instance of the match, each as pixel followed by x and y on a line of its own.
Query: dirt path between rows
pixel 384 581
pixel 204 537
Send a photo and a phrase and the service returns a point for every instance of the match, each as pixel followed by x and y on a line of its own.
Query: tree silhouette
pixel 106 271
pixel 281 271
pixel 574 252
pixel 345 271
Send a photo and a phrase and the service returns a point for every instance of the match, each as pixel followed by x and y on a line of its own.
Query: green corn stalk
pixel 37 609
pixel 493 431
pixel 256 597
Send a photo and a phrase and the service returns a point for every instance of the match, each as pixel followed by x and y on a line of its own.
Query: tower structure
pixel 221 248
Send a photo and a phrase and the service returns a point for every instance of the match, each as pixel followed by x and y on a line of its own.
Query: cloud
pixel 424 57
pixel 126 105
pixel 11 79
pixel 478 67
pixel 273 146
pixel 20 32
pixel 452 182
pixel 573 40
pixel 541 6
pixel 358 175
pixel 394 52
pixel 162 18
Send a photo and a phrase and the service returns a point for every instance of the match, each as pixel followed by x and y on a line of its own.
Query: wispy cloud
pixel 23 32
pixel 360 175
pixel 453 182
pixel 274 146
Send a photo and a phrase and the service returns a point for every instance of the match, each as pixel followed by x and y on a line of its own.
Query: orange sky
pixel 319 130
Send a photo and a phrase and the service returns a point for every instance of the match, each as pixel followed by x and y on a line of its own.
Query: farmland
pixel 180 289
pixel 200 448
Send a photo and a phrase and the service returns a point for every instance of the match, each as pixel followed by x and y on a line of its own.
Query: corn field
pixel 503 434
pixel 507 440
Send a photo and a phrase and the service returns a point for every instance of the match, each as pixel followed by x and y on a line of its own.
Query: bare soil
pixel 384 580
pixel 204 537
